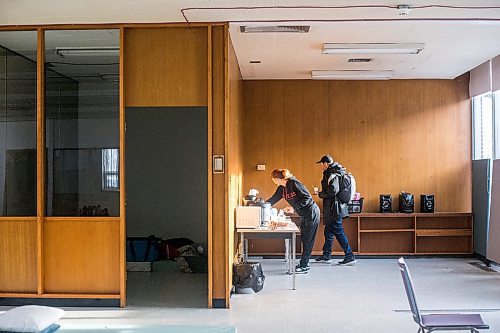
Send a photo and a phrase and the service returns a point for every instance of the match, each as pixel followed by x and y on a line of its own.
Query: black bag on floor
pixel 195 264
pixel 249 275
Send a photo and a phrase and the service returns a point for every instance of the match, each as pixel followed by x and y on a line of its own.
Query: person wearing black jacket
pixel 333 211
pixel 297 195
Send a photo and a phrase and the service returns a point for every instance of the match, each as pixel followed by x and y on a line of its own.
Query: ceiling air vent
pixel 359 60
pixel 276 28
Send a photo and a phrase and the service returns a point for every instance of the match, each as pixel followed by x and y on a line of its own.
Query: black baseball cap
pixel 326 159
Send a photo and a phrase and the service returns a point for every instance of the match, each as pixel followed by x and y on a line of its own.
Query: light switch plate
pixel 218 163
pixel 261 167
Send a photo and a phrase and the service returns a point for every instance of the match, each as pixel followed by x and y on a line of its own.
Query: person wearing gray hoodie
pixel 333 211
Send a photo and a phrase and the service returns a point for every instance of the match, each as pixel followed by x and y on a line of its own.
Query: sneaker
pixel 301 270
pixel 323 259
pixel 348 261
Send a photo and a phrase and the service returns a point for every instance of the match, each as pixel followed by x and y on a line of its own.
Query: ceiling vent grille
pixel 359 60
pixel 275 28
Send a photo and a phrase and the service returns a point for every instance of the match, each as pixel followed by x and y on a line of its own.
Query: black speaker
pixel 427 203
pixel 385 203
pixel 406 202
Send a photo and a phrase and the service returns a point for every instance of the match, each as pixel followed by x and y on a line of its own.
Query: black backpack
pixel 347 187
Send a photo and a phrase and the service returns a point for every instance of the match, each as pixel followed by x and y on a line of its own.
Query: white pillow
pixel 29 318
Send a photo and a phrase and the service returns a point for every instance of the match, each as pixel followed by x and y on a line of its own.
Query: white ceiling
pixel 456 39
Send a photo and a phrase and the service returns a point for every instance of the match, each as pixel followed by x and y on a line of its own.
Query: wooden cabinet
pixel 443 233
pixel 391 234
pixel 386 233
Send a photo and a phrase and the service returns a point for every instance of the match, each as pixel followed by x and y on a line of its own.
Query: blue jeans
pixel 335 229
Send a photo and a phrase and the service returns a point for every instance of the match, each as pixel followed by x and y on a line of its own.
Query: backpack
pixel 347 188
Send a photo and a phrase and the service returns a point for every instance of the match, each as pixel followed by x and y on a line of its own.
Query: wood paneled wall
pixel 219 228
pixel 226 120
pixel 234 135
pixel 397 135
pixel 18 255
pixel 166 66
pixel 87 251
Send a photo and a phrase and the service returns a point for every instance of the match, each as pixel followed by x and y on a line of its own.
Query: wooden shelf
pixel 382 242
pixel 383 215
pixel 386 253
pixel 387 230
pixel 443 232
pixel 437 214
pixel 393 234
pixel 443 214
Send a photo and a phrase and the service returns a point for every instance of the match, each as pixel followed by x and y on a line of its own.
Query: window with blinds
pixel 482 113
pixel 110 170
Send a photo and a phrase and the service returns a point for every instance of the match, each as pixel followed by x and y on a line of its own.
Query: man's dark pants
pixel 334 228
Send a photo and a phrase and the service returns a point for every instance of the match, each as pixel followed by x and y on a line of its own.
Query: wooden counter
pixel 391 234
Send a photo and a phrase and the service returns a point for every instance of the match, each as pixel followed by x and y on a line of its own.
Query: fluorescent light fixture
pixel 371 48
pixel 88 51
pixel 111 77
pixel 351 75
pixel 275 28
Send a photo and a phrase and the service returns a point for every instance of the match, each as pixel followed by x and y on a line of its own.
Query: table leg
pixel 293 256
pixel 245 247
pixel 287 255
pixel 290 256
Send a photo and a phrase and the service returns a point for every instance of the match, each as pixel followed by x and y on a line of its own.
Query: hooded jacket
pixel 332 207
pixel 296 194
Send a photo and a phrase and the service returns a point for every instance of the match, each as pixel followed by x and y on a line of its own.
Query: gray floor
pixel 166 286
pixel 367 297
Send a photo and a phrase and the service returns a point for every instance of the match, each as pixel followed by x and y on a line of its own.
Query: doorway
pixel 166 175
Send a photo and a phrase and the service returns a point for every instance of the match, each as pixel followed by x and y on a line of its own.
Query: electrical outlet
pixel 261 167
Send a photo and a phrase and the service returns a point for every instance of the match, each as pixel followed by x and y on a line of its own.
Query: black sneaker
pixel 323 259
pixel 348 261
pixel 301 270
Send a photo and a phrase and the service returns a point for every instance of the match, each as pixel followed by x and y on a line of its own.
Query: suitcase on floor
pixel 142 248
